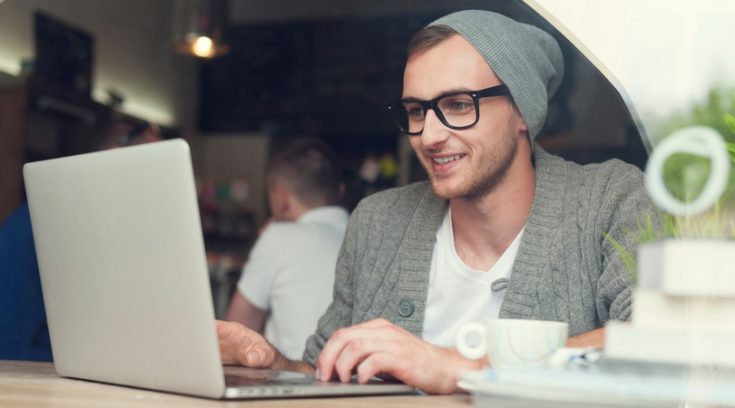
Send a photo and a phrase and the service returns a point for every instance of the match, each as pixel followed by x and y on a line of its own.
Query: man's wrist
pixel 280 362
pixel 460 365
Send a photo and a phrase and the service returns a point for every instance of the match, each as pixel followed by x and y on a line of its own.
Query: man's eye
pixel 458 106
pixel 415 112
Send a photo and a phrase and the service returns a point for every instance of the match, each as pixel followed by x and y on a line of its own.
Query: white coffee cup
pixel 512 342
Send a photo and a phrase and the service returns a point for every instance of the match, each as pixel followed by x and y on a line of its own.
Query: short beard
pixel 481 188
pixel 484 186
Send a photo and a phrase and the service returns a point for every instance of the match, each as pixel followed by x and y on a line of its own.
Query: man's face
pixel 467 163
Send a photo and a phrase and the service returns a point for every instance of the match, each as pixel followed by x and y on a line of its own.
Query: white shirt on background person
pixel 290 273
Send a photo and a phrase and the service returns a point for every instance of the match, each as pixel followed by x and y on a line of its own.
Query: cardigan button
pixel 405 308
pixel 499 284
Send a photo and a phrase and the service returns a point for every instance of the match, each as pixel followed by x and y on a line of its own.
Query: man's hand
pixel 240 345
pixel 380 347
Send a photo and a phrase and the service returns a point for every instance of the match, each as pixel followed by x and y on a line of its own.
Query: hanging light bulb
pixel 199 27
pixel 203 47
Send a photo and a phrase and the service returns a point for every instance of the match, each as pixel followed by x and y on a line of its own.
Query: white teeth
pixel 442 160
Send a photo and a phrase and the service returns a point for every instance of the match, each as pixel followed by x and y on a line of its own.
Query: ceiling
pixel 244 11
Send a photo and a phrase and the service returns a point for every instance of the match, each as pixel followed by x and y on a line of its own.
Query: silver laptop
pixel 125 279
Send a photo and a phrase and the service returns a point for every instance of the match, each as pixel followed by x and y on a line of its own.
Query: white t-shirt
pixel 290 272
pixel 459 294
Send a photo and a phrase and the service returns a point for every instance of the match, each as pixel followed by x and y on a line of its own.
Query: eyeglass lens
pixel 455 111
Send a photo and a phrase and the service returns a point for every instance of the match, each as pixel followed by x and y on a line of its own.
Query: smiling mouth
pixel 447 159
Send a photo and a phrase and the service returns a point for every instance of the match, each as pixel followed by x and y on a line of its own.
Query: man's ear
pixel 285 197
pixel 521 122
pixel 518 121
pixel 278 199
pixel 523 126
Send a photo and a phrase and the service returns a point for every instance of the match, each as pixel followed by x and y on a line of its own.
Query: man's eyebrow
pixel 444 93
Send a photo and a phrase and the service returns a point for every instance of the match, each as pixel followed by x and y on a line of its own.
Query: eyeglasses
pixel 456 110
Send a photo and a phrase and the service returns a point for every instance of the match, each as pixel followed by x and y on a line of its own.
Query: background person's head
pixel 121 133
pixel 302 174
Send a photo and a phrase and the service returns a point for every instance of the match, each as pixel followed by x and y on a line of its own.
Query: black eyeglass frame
pixel 497 90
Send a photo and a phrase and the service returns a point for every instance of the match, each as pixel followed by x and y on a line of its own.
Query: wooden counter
pixel 32 384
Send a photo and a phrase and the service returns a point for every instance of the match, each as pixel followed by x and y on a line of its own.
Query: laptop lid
pixel 123 268
pixel 125 280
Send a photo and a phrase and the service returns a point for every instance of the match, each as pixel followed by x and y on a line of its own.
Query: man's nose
pixel 435 132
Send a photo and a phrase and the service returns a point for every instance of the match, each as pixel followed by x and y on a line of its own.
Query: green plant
pixel 719 101
pixel 685 176
pixel 647 231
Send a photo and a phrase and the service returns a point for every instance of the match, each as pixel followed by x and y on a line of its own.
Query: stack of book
pixel 683 306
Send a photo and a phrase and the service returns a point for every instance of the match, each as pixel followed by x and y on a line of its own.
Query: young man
pixel 287 281
pixel 503 229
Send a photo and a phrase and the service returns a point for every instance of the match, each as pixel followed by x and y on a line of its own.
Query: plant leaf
pixel 628 259
pixel 731 150
pixel 730 122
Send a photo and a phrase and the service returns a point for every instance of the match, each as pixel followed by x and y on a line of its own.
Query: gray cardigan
pixel 565 269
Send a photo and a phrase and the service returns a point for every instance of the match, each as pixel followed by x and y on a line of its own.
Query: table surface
pixel 26 384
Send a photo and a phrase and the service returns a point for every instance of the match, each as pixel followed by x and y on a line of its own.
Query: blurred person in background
pixel 287 281
pixel 23 330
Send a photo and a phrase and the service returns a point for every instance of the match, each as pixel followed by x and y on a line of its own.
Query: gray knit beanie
pixel 527 59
